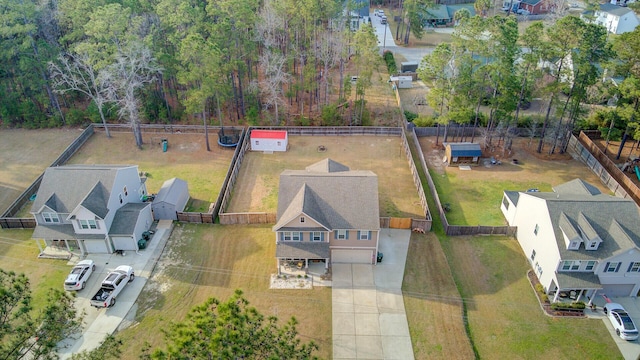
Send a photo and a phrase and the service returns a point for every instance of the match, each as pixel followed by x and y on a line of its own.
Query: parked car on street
pixel 621 321
pixel 77 278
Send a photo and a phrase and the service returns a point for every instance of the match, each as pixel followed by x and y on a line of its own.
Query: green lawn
pixel 504 316
pixel 19 253
pixel 476 201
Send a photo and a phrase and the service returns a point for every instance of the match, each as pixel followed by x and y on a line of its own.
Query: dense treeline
pixel 65 61
pixel 489 64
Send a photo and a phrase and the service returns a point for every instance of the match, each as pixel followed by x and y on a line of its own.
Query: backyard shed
pixel 462 153
pixel 269 140
pixel 402 82
pixel 172 197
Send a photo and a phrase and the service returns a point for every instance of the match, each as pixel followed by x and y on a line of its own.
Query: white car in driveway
pixel 621 321
pixel 77 278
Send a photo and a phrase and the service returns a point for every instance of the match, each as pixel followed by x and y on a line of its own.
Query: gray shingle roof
pixel 614 9
pixel 124 221
pixel 61 232
pixel 327 166
pixel 615 220
pixel 338 200
pixel 65 187
pixel 303 250
pixel 97 200
pixel 578 280
pixel 577 187
pixel 171 191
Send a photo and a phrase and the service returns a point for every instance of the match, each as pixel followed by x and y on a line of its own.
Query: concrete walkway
pixel 369 319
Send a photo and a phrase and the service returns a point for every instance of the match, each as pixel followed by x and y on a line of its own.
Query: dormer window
pixel 301 219
pixel 50 217
pixel 88 224
pixel 574 245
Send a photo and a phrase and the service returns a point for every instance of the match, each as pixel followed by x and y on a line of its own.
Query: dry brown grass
pixel 257 185
pixel 203 261
pixel 432 302
pixel 186 158
pixel 25 155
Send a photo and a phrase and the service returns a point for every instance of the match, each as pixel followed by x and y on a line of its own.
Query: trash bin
pixel 165 145
pixel 379 257
pixel 146 235
pixel 142 243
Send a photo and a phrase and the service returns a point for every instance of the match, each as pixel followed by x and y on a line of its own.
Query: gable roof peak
pixel 327 166
pixel 576 187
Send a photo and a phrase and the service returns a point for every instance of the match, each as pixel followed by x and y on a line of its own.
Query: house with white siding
pixel 580 243
pixel 616 19
pixel 91 209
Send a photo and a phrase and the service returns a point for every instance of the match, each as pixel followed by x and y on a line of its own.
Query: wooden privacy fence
pixel 198 218
pixel 261 218
pixel 17 223
pixel 6 220
pixel 166 129
pixel 584 149
pixel 455 230
pixel 405 223
pixel 247 218
pixel 417 181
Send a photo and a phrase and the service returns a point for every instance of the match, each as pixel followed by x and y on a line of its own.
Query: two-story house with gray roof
pixel 327 213
pixel 91 208
pixel 580 242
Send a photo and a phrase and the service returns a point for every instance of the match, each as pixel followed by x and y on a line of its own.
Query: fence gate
pixel 400 223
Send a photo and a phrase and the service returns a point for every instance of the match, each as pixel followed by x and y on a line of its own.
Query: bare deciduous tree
pixel 273 64
pixel 75 73
pixel 135 66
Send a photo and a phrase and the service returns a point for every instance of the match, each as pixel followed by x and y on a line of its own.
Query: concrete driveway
pixel 630 349
pixel 101 322
pixel 369 319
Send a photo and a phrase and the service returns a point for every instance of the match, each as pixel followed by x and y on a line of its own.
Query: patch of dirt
pixel 553 169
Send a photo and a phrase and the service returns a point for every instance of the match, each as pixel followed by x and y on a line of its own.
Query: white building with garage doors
pixel 327 213
pixel 580 242
pixel 91 209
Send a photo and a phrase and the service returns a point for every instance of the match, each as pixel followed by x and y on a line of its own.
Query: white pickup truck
pixel 111 286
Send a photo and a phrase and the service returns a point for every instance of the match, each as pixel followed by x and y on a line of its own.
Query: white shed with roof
pixel 172 197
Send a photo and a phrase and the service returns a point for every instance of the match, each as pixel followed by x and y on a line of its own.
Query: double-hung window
pixel 634 267
pixel 316 236
pixel 363 235
pixel 296 236
pixel 286 236
pixel 341 234
pixel 612 267
pixel 88 224
pixel 50 217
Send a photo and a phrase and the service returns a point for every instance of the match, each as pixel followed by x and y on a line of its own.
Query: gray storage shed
pixel 172 197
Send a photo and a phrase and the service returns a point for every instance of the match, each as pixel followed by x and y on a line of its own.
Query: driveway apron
pixel 369 319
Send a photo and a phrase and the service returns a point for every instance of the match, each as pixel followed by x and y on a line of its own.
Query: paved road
pixel 369 319
pixel 386 42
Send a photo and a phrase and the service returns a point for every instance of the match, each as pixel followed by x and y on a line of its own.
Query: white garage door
pixel 95 246
pixel 124 243
pixel 618 290
pixel 351 256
